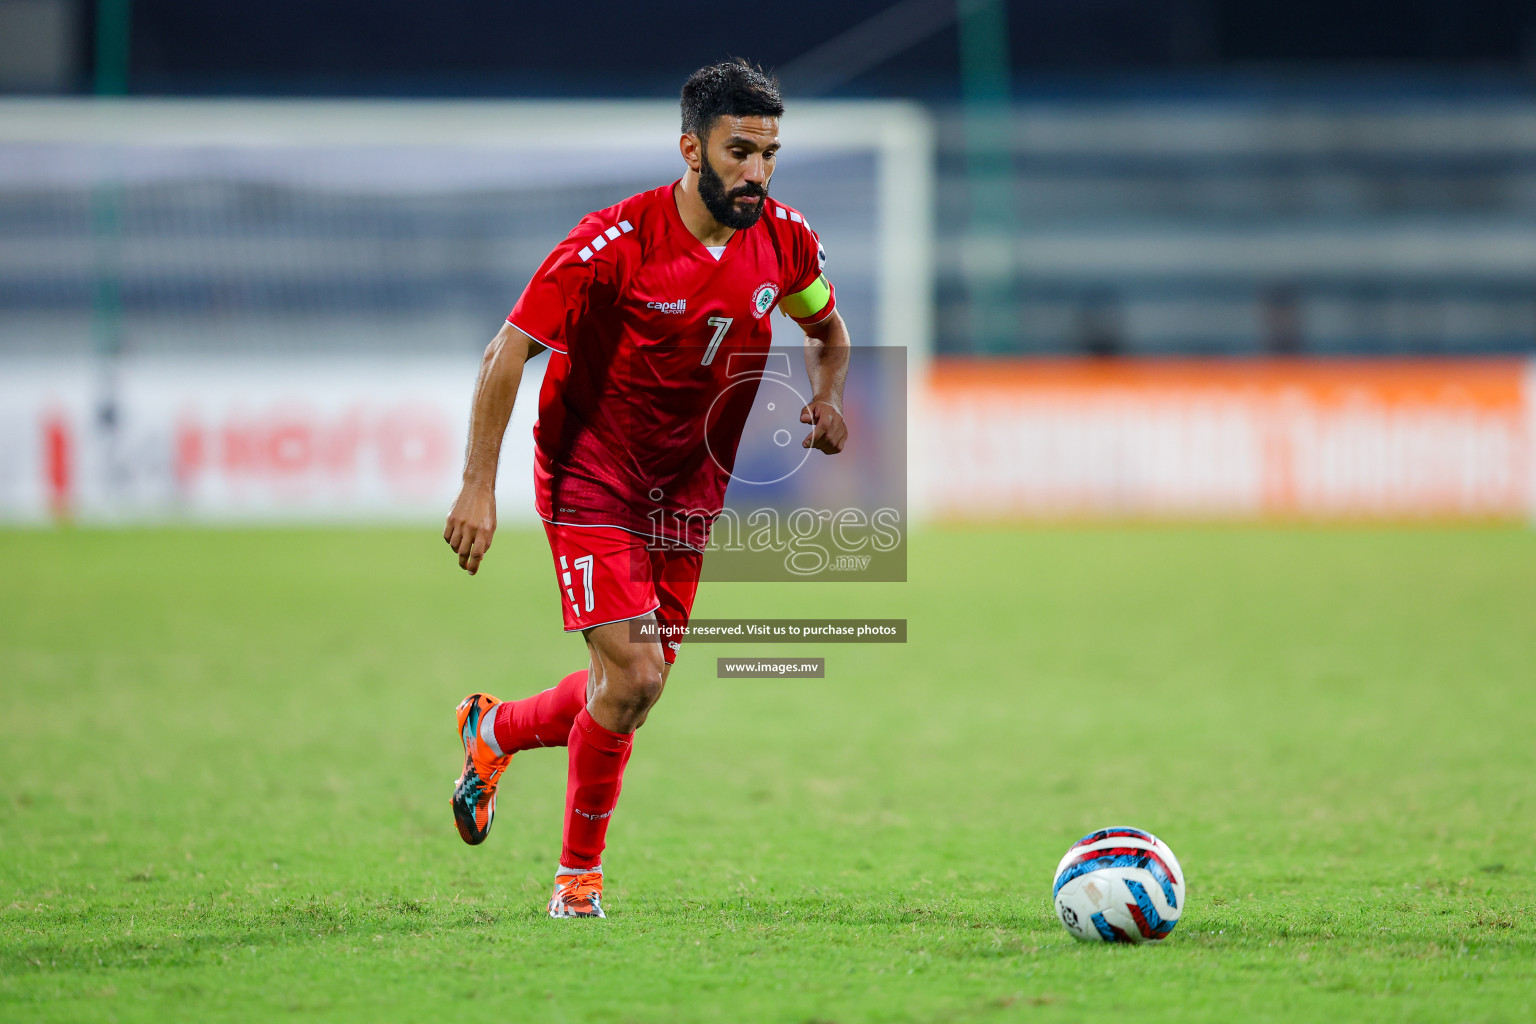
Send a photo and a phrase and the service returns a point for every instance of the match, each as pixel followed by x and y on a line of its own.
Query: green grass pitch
pixel 226 757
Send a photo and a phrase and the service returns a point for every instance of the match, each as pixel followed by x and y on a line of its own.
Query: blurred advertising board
pixel 1315 439
pixel 234 439
pixel 315 439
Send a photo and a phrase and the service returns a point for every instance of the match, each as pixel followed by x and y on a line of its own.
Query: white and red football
pixel 1119 885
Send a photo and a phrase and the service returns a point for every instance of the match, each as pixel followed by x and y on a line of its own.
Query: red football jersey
pixel 638 419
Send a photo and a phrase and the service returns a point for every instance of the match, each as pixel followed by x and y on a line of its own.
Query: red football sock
pixel 597 761
pixel 543 720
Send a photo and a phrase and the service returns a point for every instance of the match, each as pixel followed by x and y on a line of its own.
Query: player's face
pixel 735 165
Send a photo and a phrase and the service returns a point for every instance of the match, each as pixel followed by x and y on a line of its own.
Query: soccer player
pixel 651 310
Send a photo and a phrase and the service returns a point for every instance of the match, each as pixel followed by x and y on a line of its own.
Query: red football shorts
pixel 607 575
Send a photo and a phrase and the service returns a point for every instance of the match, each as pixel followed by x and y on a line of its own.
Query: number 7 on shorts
pixel 584 563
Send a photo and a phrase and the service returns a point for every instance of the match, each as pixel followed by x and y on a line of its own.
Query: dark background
pixel 476 47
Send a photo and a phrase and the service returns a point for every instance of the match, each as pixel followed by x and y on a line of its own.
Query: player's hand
pixel 828 431
pixel 471 524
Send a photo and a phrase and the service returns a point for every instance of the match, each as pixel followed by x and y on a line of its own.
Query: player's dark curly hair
pixel 731 88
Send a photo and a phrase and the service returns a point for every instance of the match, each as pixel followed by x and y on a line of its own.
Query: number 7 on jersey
pixel 721 324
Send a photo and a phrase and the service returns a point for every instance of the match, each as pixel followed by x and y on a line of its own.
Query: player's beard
pixel 722 204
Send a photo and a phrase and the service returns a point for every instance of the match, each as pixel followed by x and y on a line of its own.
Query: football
pixel 1119 885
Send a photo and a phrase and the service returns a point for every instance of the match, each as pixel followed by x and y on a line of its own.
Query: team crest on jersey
pixel 764 298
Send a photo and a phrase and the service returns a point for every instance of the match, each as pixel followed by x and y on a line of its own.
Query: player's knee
pixel 637 685
pixel 633 680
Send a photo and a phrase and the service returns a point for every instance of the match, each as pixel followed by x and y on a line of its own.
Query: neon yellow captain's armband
pixel 808 302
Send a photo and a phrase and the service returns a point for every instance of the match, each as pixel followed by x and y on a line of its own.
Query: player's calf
pixel 543 719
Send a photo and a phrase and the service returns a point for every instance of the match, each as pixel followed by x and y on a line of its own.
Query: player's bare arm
pixel 472 521
pixel 826 363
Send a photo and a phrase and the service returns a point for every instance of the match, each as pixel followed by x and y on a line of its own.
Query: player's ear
pixel 690 146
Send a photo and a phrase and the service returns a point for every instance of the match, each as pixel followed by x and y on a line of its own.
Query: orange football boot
pixel 474 792
pixel 578 895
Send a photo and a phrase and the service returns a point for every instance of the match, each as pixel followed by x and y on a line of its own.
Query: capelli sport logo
pixel 680 306
pixel 764 298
